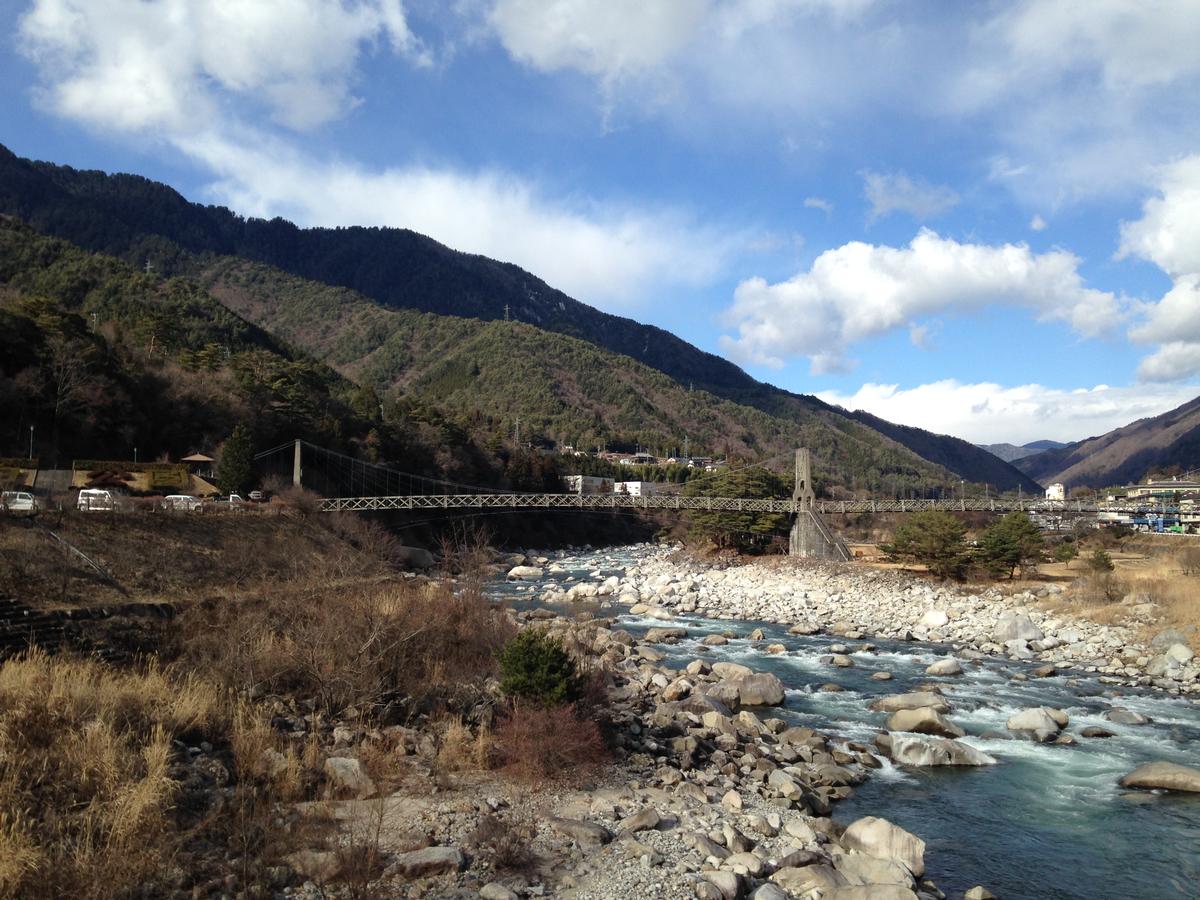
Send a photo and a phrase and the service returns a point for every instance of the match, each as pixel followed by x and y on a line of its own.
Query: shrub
pixel 537 742
pixel 535 667
pixel 1066 552
pixel 1100 562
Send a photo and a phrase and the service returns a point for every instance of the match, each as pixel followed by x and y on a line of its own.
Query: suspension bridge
pixel 354 485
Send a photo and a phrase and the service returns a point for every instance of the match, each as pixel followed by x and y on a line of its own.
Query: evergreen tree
pixel 739 530
pixel 1010 543
pixel 933 538
pixel 237 461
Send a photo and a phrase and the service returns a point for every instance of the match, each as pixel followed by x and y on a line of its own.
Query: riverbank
pixel 856 601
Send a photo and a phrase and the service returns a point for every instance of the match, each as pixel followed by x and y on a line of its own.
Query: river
pixel 1048 815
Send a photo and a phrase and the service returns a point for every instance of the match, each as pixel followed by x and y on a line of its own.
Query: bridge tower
pixel 810 537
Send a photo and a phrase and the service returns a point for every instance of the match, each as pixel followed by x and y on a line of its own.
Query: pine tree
pixel 237 461
pixel 1010 543
pixel 935 539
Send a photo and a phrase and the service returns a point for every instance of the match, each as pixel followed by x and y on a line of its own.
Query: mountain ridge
pixel 141 220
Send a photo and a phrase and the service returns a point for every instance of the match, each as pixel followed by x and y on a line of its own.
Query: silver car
pixel 19 503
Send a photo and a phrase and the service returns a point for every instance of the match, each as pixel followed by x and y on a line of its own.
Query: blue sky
pixel 979 218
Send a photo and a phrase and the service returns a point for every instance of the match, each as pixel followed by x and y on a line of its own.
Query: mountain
pixel 1011 452
pixel 98 358
pixel 561 389
pixel 146 222
pixel 1126 454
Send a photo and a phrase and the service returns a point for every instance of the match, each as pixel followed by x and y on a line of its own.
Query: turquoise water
pixel 1048 822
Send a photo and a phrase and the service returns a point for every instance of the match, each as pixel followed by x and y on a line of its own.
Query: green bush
pixel 934 538
pixel 1100 562
pixel 535 667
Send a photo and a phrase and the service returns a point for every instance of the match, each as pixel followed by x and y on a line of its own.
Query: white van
pixel 96 500
pixel 184 502
pixel 19 503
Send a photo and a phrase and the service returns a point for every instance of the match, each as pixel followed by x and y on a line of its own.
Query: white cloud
pixel 896 192
pixel 601 253
pixel 1037 223
pixel 173 64
pixel 195 73
pixel 858 291
pixel 1168 235
pixel 818 203
pixel 987 413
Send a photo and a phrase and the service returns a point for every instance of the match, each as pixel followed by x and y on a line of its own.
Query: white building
pixel 637 488
pixel 1056 492
pixel 587 484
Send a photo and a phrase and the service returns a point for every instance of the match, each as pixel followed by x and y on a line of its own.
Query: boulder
pixel 871 892
pixel 665 635
pixel 841 660
pixel 642 821
pixel 1016 626
pixel 979 892
pixel 924 720
pixel 428 861
pixel 1094 731
pixel 1037 723
pixel 345 776
pixel 768 891
pixel 935 618
pixel 862 869
pixel 731 670
pixel 414 557
pixel 760 689
pixel 728 883
pixel 494 890
pixel 913 700
pixel 587 835
pixel 525 573
pixel 800 882
pixel 1123 716
pixel 947 666
pixel 1165 776
pixel 915 750
pixel 881 839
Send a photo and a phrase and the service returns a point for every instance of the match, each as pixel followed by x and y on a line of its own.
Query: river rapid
pixel 1050 815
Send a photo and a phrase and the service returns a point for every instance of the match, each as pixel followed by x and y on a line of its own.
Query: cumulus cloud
pixel 988 413
pixel 858 291
pixel 171 64
pixel 600 252
pixel 1168 235
pixel 896 192
pixel 196 73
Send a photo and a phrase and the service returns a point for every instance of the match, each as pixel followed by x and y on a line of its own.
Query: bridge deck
pixel 724 504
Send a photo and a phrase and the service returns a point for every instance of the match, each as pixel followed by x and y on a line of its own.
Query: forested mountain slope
pixel 141 220
pixel 1126 454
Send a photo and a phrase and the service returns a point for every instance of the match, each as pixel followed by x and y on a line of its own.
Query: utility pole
pixel 686 455
pixel 31 442
pixel 518 431
pixel 149 266
pixel 506 312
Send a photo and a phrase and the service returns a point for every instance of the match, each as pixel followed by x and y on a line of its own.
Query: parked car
pixel 184 502
pixel 96 500
pixel 17 503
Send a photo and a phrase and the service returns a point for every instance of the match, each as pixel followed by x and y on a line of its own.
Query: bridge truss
pixel 727 504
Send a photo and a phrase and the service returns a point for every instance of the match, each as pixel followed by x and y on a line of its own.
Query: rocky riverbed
pixel 976 722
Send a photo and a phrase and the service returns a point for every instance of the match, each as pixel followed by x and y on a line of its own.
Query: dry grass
pixel 397 645
pixel 86 791
pixel 1146 571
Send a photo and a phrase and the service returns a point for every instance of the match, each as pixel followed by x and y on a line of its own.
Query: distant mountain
pixel 143 221
pixel 1011 452
pixel 1126 454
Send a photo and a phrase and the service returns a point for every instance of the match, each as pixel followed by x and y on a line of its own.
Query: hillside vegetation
pixel 141 220
pixel 1125 454
pixel 563 390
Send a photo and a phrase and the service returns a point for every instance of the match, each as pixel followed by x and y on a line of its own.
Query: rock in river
pixel 1013 626
pixel 914 700
pixel 881 839
pixel 1164 776
pixel 760 689
pixel 917 750
pixel 1039 723
pixel 924 720
pixel 947 666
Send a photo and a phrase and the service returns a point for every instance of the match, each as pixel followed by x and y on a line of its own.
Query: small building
pixel 637 488
pixel 639 459
pixel 200 464
pixel 1169 489
pixel 587 484
pixel 1056 492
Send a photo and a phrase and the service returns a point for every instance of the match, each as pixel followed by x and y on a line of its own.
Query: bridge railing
pixel 724 504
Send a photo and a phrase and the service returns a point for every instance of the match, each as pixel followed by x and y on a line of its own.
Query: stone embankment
pixel 855 601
